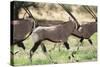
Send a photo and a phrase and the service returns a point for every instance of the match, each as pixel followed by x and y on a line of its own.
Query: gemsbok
pixel 56 33
pixel 20 30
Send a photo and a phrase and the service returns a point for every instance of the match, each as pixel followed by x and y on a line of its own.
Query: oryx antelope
pixel 55 33
pixel 20 29
pixel 86 31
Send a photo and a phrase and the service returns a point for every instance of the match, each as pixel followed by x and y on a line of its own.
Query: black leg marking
pixel 81 40
pixel 11 53
pixel 21 44
pixel 34 49
pixel 66 45
pixel 90 41
pixel 43 48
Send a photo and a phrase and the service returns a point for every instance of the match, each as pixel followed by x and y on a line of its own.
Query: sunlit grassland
pixel 85 53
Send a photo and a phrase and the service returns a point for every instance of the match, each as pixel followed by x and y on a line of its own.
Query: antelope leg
pixel 34 48
pixel 45 52
pixel 81 40
pixel 21 44
pixel 90 41
pixel 70 57
pixel 66 45
pixel 59 45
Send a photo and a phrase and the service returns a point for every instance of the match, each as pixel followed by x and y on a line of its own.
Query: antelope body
pixel 20 28
pixel 86 31
pixel 56 33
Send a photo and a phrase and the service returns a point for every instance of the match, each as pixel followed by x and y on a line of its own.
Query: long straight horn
pixel 67 10
pixel 90 12
pixel 30 14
